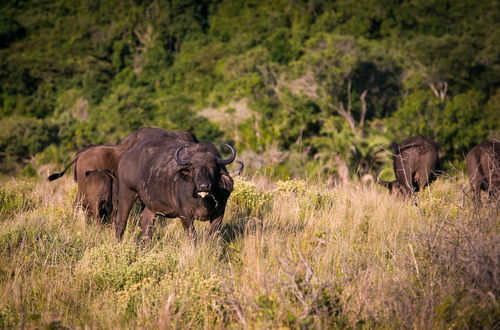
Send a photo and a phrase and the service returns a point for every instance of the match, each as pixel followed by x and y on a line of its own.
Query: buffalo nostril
pixel 204 187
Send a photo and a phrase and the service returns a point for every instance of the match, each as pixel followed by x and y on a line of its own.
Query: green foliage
pixel 326 77
pixel 22 138
pixel 10 30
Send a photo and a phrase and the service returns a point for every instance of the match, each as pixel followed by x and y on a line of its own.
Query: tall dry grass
pixel 290 254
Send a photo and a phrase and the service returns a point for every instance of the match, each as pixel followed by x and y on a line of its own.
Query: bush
pixel 16 197
pixel 308 196
pixel 248 198
pixel 22 137
pixel 121 266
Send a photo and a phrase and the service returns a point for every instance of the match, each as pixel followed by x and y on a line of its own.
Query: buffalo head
pixel 204 169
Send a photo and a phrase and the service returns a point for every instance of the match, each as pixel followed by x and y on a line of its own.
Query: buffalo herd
pixel 174 175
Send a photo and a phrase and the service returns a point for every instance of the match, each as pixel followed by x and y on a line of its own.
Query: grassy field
pixel 291 255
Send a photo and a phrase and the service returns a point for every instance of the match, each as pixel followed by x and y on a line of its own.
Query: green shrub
pixel 248 198
pixel 22 138
pixel 119 266
pixel 16 197
pixel 307 196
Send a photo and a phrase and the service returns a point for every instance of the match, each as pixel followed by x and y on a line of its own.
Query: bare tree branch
pixel 444 91
pixel 362 98
pixel 349 101
pixel 347 116
pixel 434 89
pixel 439 89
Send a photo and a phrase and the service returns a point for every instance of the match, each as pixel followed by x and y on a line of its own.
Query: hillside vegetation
pixel 291 254
pixel 310 86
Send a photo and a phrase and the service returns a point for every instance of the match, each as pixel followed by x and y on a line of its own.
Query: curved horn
pixel 229 160
pixel 180 161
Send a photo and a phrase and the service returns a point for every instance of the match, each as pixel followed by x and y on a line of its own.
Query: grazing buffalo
pixel 95 192
pixel 173 177
pixel 483 167
pixel 415 165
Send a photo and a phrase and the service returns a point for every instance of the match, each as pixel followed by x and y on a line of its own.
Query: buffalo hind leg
pixel 147 222
pixel 126 200
pixel 407 187
pixel 404 176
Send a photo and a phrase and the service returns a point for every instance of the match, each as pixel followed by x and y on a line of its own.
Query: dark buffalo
pixel 415 165
pixel 173 178
pixel 483 167
pixel 95 192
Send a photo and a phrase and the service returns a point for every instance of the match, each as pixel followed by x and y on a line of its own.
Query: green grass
pixel 291 254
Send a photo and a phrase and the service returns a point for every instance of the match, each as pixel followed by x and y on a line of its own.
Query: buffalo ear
pixel 226 182
pixel 182 175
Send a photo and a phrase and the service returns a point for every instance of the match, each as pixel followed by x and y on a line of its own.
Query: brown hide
pixel 95 192
pixel 97 158
pixel 483 167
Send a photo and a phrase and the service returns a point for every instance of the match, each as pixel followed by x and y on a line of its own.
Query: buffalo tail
pixel 56 176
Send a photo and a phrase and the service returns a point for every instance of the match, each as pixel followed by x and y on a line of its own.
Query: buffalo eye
pixel 182 175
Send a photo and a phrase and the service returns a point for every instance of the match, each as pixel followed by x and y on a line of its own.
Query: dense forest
pixel 297 86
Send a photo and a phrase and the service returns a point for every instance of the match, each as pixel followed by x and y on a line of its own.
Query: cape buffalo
pixel 173 178
pixel 95 192
pixel 415 165
pixel 483 167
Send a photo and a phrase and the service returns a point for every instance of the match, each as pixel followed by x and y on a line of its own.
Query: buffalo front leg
pixel 125 202
pixel 147 222
pixel 475 185
pixel 215 225
pixel 188 225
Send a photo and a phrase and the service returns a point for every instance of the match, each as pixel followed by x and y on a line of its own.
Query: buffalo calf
pixel 96 194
